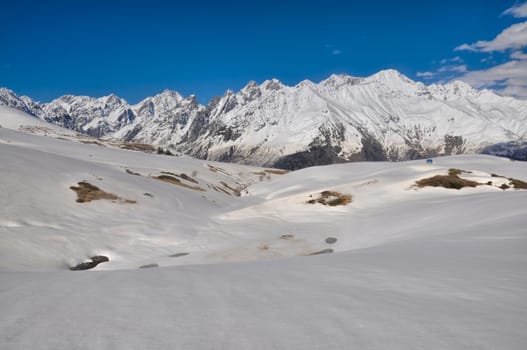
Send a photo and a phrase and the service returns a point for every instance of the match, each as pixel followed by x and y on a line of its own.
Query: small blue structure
pixel 429 161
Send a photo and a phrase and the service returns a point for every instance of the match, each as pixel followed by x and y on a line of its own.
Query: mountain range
pixel 386 116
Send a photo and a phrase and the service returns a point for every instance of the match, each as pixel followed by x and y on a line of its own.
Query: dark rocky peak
pixel 273 84
pixel 250 92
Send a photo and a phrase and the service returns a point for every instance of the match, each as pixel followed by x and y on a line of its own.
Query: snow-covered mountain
pixel 386 116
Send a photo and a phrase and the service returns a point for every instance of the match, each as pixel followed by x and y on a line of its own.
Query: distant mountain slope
pixel 385 116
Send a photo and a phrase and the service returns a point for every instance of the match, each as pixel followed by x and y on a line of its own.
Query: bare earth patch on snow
pixel 87 192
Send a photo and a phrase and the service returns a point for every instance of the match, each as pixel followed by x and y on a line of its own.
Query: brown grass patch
pixel 515 183
pixel 323 251
pixel 261 173
pixel 181 176
pixel 235 191
pixel 92 142
pixel 518 184
pixel 212 168
pixel 34 129
pixel 188 178
pixel 87 192
pixel 216 169
pixel 331 198
pixel 447 181
pixel 175 181
pixel 219 189
pixel 451 181
pixel 276 171
pixel 136 146
pixel 455 172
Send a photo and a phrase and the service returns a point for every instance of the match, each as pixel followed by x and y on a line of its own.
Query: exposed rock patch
pixel 287 236
pixel 177 255
pixel 331 240
pixel 331 198
pixel 148 266
pixel 94 261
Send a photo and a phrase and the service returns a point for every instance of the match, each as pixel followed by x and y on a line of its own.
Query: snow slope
pixel 413 268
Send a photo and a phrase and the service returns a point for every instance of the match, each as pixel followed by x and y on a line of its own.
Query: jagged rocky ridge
pixel 385 116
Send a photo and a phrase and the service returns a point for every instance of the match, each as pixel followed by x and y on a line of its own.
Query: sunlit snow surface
pixel 413 268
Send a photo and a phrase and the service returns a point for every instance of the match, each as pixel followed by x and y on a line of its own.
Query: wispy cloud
pixel 333 49
pixel 519 55
pixel 462 68
pixel 425 75
pixel 451 60
pixel 509 78
pixel 518 10
pixel 444 73
pixel 514 37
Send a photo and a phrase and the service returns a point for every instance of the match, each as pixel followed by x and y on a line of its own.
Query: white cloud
pixel 451 60
pixel 518 55
pixel 462 68
pixel 518 10
pixel 509 78
pixel 333 49
pixel 514 37
pixel 426 75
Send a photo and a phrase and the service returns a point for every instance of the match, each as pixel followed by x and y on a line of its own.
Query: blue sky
pixel 139 48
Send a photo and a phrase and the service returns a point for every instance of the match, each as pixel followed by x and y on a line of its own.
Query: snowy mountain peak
pixel 250 92
pixel 337 80
pixel 306 83
pixel 390 77
pixel 171 94
pixel 6 91
pixel 455 90
pixel 9 98
pixel 113 99
pixel 272 84
pixel 251 85
pixel 461 88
